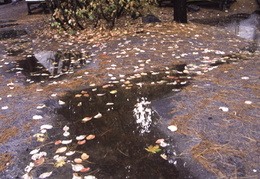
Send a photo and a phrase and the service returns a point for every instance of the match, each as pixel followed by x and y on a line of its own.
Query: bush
pixel 80 14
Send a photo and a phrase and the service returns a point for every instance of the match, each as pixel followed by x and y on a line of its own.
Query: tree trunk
pixel 180 11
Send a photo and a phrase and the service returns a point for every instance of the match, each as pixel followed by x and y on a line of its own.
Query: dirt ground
pixel 212 142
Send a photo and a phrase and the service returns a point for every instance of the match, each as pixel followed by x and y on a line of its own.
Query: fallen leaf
pixel 5 107
pixel 85 169
pixel 153 149
pixel 80 137
pixel 66 128
pixel 90 137
pixel 60 163
pixel 225 109
pixel 39 161
pixel 61 150
pixel 57 142
pixel 66 141
pixel 113 91
pixel 45 175
pixel 61 102
pixel 85 119
pixel 99 115
pixel 248 102
pixel 77 167
pixel 158 141
pixel 78 160
pixel 70 153
pixel 36 117
pixel 66 134
pixel 78 95
pixel 27 176
pixel 34 151
pixel 82 142
pixel 172 128
pixel 46 126
pixel 164 156
pixel 84 156
pixel 90 177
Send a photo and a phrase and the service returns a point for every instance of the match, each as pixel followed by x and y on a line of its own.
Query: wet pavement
pixel 104 117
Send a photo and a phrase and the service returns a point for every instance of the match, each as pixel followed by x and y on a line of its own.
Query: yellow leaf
pixel 153 149
pixel 60 163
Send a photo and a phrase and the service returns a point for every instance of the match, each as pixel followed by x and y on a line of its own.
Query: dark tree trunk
pixel 180 11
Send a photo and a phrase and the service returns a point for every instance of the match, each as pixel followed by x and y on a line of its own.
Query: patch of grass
pixel 209 154
pixel 4 159
pixel 8 133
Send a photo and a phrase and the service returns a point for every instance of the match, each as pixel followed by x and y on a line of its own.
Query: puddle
pixel 47 65
pixel 11 34
pixel 245 28
pixel 243 25
pixel 114 124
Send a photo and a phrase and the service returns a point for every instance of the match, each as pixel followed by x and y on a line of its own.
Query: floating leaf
pixel 158 141
pixel 85 119
pixel 66 141
pixel 61 150
pixel 70 153
pixel 172 128
pixel 60 163
pixel 80 137
pixel 90 137
pixel 78 95
pixel 99 115
pixel 66 128
pixel 57 142
pixel 77 167
pixel 164 156
pixel 78 160
pixel 101 94
pixel 153 149
pixel 113 91
pixel 66 133
pixel 45 175
pixel 84 156
pixel 39 162
pixel 82 142
pixel 110 104
pixel 85 169
pixel 90 177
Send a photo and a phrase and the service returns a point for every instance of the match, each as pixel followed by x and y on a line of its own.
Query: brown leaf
pixel 39 161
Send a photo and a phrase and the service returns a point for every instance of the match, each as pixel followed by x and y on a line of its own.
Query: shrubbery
pixel 80 14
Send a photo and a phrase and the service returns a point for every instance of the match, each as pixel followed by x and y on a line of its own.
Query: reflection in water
pixel 248 28
pixel 245 28
pixel 120 118
pixel 143 115
pixel 51 64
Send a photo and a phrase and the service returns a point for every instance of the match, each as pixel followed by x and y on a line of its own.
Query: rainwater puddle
pixel 104 131
pixel 11 34
pixel 47 65
pixel 244 27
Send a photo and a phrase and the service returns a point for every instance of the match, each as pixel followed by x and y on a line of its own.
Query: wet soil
pixel 209 142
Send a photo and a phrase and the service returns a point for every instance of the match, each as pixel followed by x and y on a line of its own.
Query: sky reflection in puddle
pixel 47 65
